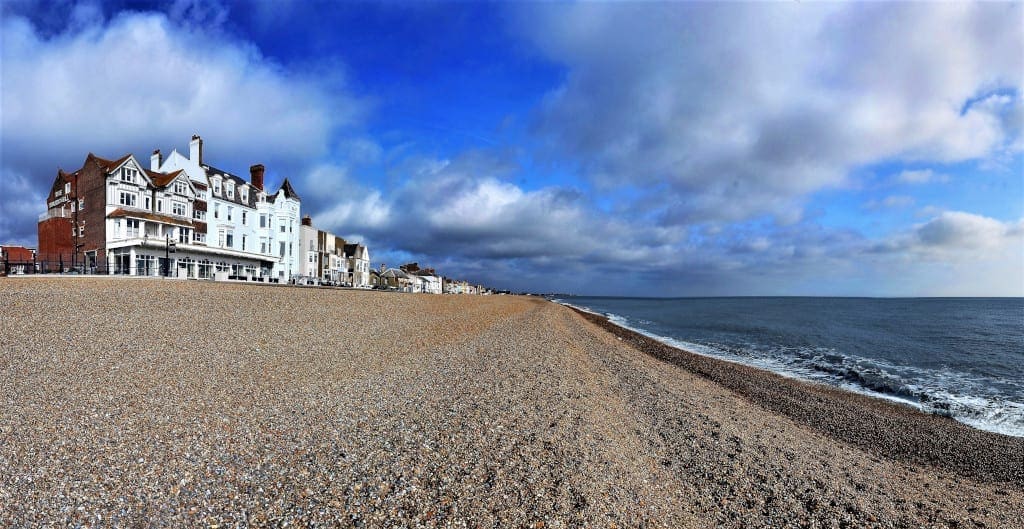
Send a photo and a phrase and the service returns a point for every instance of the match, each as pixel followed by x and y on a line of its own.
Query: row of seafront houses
pixel 184 218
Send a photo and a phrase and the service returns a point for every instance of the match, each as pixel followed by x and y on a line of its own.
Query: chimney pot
pixel 307 221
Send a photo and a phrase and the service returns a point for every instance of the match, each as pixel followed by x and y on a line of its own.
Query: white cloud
pixel 727 112
pixel 921 176
pixel 140 82
pixel 891 201
pixel 957 231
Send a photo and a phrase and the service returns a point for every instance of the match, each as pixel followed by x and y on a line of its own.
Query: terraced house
pixel 117 216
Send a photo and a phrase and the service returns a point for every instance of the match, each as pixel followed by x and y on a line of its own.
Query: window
pixel 149 203
pixel 229 239
pixel 263 221
pixel 312 245
pixel 179 188
pixel 81 204
pixel 159 205
pixel 245 193
pixel 198 237
pixel 289 249
pixel 199 215
pixel 67 187
pixel 182 235
pixel 231 190
pixel 220 238
pixel 230 211
pixel 127 199
pixel 282 228
pixel 243 243
pixel 74 206
pixel 216 187
pixel 216 211
pixel 263 245
pixel 244 217
pixel 128 175
pixel 132 226
pixel 310 258
pixel 282 249
pixel 178 208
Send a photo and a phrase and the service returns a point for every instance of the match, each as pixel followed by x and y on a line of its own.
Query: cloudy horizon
pixel 674 149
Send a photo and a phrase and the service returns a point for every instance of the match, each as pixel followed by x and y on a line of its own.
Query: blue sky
pixel 624 149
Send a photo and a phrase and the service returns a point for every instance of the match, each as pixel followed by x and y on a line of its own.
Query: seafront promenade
pixel 171 403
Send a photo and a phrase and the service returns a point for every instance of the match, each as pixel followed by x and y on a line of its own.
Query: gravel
pixel 170 403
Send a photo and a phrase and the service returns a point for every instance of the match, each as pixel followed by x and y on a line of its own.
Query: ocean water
pixel 959 357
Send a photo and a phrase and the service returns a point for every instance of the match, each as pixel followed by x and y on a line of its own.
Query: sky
pixel 647 149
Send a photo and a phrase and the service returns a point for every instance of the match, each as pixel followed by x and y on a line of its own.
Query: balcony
pixel 55 214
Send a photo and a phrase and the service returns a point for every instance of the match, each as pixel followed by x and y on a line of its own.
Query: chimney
pixel 155 160
pixel 195 149
pixel 307 221
pixel 256 176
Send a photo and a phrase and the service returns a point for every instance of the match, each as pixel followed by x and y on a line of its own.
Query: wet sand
pixel 168 403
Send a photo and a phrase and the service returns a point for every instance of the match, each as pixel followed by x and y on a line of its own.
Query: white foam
pixel 983 413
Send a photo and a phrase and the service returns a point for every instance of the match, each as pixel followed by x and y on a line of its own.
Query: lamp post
pixel 167 255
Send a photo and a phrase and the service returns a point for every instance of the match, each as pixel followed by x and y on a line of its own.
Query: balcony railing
pixel 55 214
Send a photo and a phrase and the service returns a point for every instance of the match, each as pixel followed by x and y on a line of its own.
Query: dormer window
pixel 244 191
pixel 179 188
pixel 128 174
pixel 230 188
pixel 216 187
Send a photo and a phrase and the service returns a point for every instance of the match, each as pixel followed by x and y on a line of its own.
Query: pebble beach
pixel 166 403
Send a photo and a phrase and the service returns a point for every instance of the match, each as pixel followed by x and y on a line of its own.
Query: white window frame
pixel 127 198
pixel 129 175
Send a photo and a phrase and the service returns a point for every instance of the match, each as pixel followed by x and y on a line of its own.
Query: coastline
pixel 175 403
pixel 885 428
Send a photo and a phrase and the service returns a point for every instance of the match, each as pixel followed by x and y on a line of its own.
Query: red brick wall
pixel 92 187
pixel 16 253
pixel 55 240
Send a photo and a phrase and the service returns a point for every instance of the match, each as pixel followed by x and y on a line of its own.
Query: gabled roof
pixel 108 165
pixel 288 190
pixel 163 179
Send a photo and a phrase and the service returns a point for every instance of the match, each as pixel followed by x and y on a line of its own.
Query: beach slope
pixel 168 403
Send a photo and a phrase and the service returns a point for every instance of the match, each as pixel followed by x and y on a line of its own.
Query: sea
pixel 958 357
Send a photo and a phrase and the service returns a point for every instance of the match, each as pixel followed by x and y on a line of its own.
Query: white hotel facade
pixel 258 232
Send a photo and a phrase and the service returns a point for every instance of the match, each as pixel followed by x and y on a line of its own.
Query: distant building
pixel 358 265
pixel 16 259
pixel 323 255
